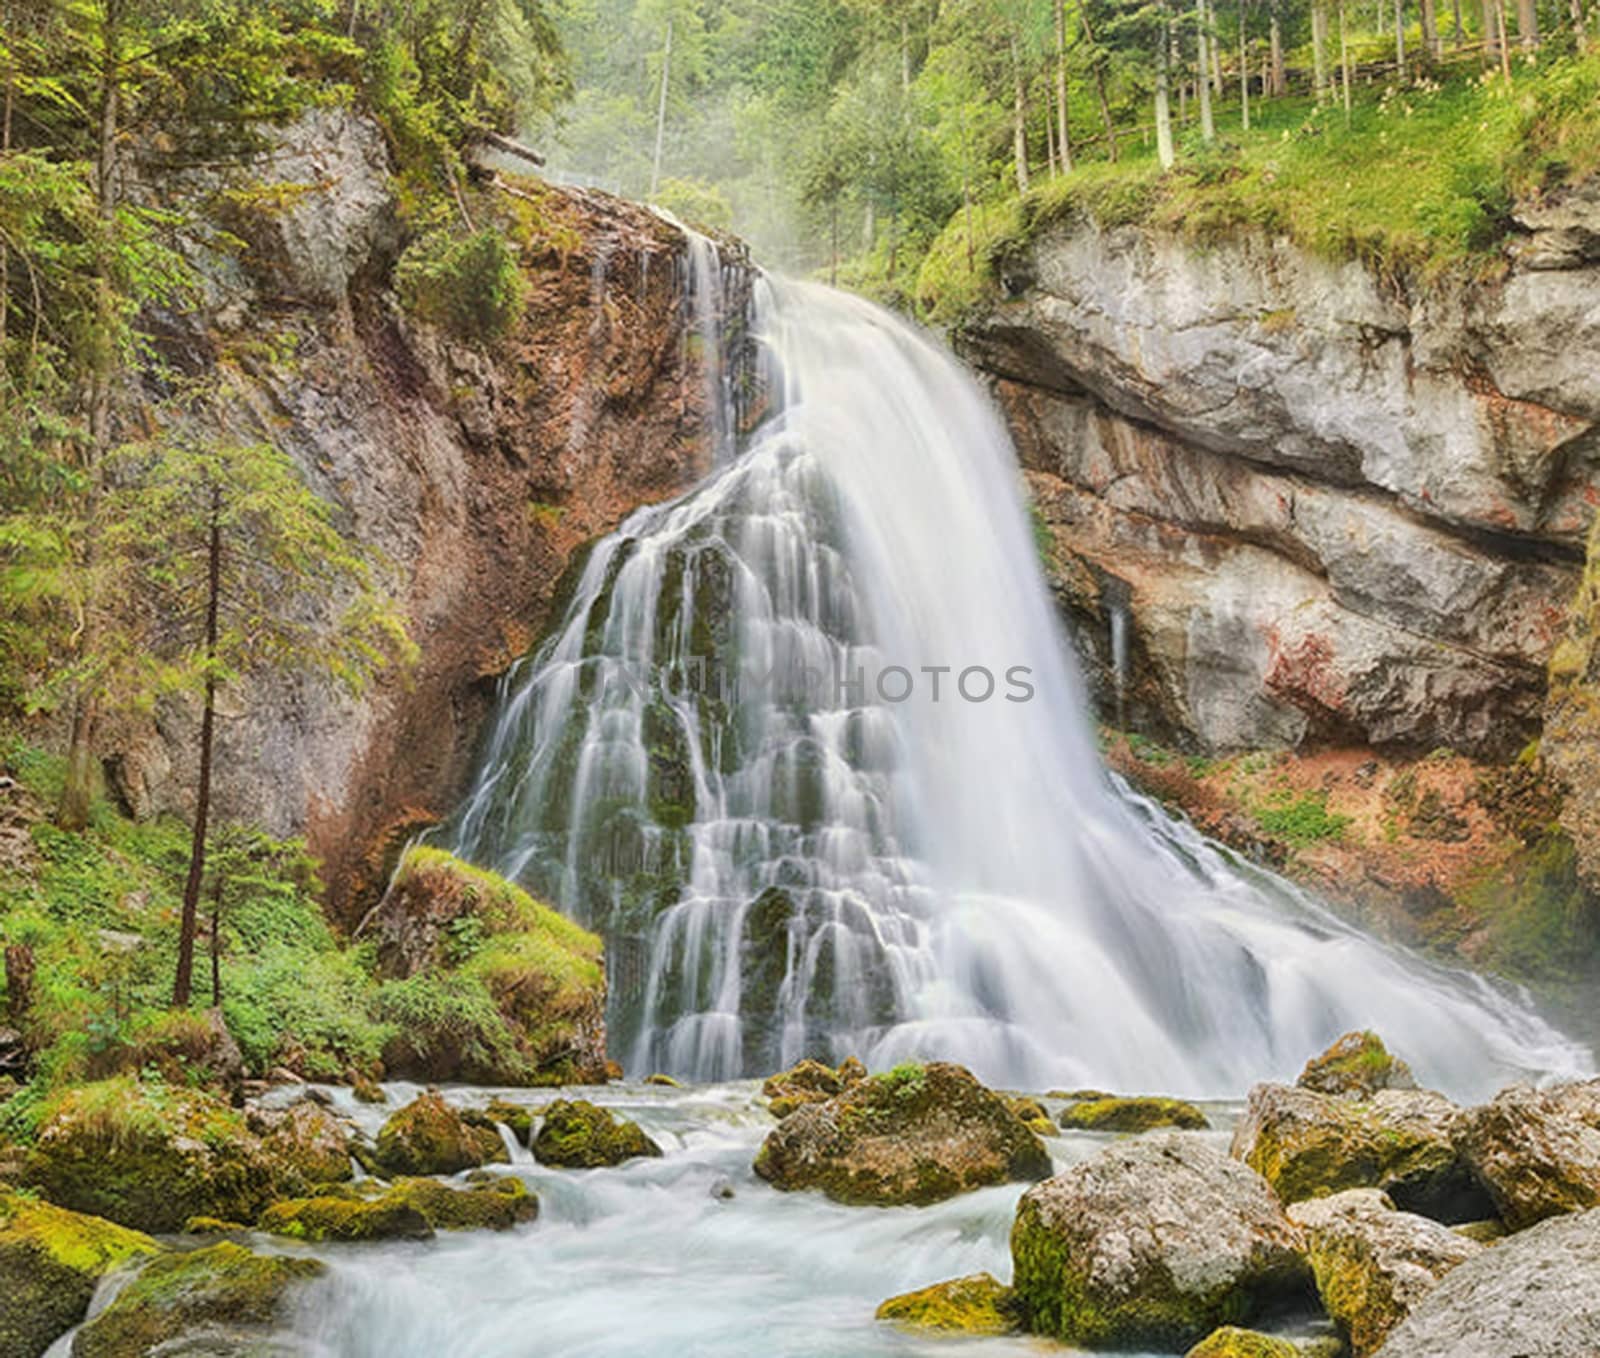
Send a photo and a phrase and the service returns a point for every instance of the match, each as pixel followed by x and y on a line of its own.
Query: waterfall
pixel 809 749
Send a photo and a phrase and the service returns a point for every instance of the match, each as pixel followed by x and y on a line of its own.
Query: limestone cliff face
pixel 1325 509
pixel 476 473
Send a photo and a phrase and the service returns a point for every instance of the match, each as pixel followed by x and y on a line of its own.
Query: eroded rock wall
pixel 1325 509
pixel 475 472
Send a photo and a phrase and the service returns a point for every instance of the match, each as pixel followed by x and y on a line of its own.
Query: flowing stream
pixel 809 749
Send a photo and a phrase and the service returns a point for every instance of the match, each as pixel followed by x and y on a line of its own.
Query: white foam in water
pixel 959 879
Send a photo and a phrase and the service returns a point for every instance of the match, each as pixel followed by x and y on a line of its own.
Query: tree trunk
pixel 1491 33
pixel 1503 42
pixel 1100 85
pixel 1319 51
pixel 1019 118
pixel 1063 135
pixel 1163 101
pixel 1578 31
pixel 183 984
pixel 1460 33
pixel 1528 24
pixel 1279 81
pixel 1430 31
pixel 1244 71
pixel 1216 52
pixel 1049 132
pixel 1344 59
pixel 78 790
pixel 216 940
pixel 1400 39
pixel 1208 128
pixel 661 109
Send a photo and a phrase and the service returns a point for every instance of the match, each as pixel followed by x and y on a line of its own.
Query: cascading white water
pixel 809 748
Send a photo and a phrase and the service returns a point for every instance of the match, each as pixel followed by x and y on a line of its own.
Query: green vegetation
pixel 1299 820
pixel 472 286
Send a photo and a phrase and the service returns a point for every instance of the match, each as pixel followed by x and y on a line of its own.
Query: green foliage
pixel 1299 820
pixel 450 1012
pixel 470 285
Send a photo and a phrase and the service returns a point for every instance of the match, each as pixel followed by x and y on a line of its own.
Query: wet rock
pixel 975 1305
pixel 307 1137
pixel 512 1116
pixel 1033 1114
pixel 1372 1264
pixel 576 1134
pixel 1402 1141
pixel 409 1209
pixel 1537 1151
pixel 152 1160
pixel 221 1299
pixel 1535 1295
pixel 1153 1243
pixel 665 1081
pixel 805 1082
pixel 428 1136
pixel 1357 1064
pixel 366 1090
pixel 50 1263
pixel 1232 1342
pixel 916 1134
pixel 1140 1114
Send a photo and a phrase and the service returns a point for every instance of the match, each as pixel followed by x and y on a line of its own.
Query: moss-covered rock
pixel 576 1134
pixel 805 1082
pixel 975 1305
pixel 186 1047
pixel 1402 1141
pixel 1154 1243
pixel 512 1116
pixel 309 1139
pixel 428 1136
pixel 151 1157
pixel 915 1134
pixel 1537 1151
pixel 665 1081
pixel 1372 1264
pixel 1232 1342
pixel 1033 1114
pixel 484 983
pixel 223 1297
pixel 50 1262
pixel 1137 1114
pixel 367 1090
pixel 408 1209
pixel 1358 1064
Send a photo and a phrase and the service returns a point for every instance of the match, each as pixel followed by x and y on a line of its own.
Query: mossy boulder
pixel 1405 1142
pixel 1537 1151
pixel 309 1139
pixel 428 1136
pixel 1372 1264
pixel 151 1157
pixel 408 1209
pixel 484 983
pixel 221 1299
pixel 575 1134
pixel 1137 1114
pixel 50 1263
pixel 804 1082
pixel 1154 1243
pixel 512 1116
pixel 665 1081
pixel 185 1046
pixel 1358 1065
pixel 975 1305
pixel 1033 1114
pixel 915 1134
pixel 1232 1342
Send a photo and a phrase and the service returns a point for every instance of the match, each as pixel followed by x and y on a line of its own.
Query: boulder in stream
pixel 1154 1243
pixel 1534 1295
pixel 1358 1065
pixel 428 1136
pixel 216 1300
pixel 1232 1342
pixel 1140 1113
pixel 975 1305
pixel 576 1134
pixel 915 1134
pixel 408 1209
pixel 1537 1151
pixel 51 1260
pixel 1373 1264
pixel 1402 1141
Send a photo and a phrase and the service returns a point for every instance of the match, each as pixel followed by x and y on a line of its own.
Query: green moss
pixel 1137 1114
pixel 578 1135
pixel 975 1305
pixel 470 285
pixel 428 1136
pixel 222 1285
pixel 1299 820
pixel 50 1262
pixel 345 1219
pixel 495 1204
pixel 1357 1063
pixel 1232 1342
pixel 517 1119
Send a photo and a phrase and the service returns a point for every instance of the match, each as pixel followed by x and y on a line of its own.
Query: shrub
pixel 469 285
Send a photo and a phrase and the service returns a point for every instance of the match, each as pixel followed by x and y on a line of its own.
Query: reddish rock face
pixel 477 473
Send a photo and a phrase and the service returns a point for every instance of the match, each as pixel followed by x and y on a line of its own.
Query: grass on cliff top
pixel 1419 183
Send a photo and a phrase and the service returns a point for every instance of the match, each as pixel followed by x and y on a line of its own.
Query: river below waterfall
pixel 651 1258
